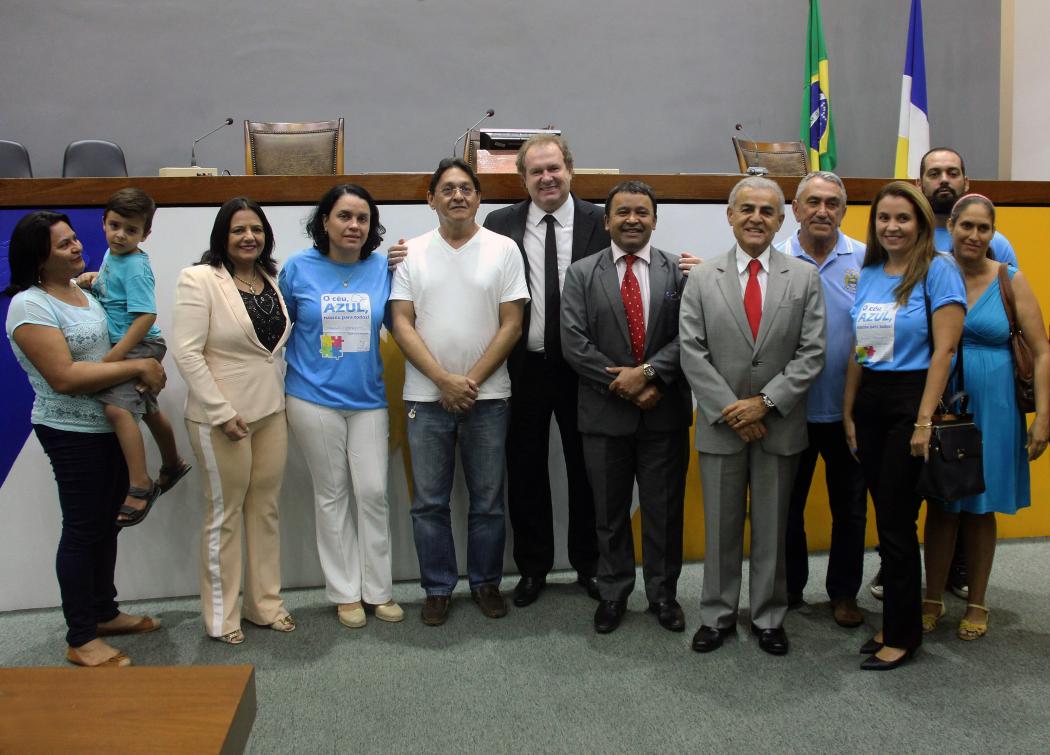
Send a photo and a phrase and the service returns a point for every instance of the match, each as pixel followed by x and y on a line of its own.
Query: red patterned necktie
pixel 632 306
pixel 753 297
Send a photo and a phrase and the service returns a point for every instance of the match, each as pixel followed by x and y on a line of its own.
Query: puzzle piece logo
pixel 331 347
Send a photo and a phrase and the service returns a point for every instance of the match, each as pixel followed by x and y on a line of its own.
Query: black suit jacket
pixel 588 236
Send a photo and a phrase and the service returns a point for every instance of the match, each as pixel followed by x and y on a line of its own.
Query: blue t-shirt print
pixel 895 338
pixel 333 353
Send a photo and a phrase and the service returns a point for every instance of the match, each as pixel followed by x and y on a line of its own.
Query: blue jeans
pixel 92 482
pixel 481 434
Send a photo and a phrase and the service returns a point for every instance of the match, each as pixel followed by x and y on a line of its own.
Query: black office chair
pixel 14 160
pixel 93 158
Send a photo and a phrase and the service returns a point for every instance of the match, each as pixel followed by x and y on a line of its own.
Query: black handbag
pixel 955 468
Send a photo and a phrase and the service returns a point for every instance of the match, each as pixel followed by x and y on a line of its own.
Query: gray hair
pixel 758 182
pixel 823 175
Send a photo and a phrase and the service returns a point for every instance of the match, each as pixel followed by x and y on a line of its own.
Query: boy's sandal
pixel 974 630
pixel 169 476
pixel 929 620
pixel 129 517
pixel 236 637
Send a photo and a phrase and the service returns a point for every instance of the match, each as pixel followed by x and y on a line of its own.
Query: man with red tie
pixel 619 332
pixel 752 342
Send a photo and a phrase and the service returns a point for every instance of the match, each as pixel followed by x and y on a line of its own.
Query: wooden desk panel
pixel 137 709
pixel 412 187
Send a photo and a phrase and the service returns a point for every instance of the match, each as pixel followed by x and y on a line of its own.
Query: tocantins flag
pixel 913 129
pixel 817 131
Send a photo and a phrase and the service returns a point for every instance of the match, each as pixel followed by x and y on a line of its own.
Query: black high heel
pixel 874 663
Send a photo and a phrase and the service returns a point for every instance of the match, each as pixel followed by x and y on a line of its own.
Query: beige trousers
pixel 241 480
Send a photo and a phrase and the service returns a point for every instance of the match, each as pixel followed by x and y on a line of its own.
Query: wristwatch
pixel 648 371
pixel 768 402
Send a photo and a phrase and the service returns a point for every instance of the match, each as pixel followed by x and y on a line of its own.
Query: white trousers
pixel 344 449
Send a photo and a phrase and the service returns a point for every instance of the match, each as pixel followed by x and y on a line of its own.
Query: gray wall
pixel 644 87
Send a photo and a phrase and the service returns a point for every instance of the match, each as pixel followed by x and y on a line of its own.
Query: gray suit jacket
pixel 724 363
pixel 594 336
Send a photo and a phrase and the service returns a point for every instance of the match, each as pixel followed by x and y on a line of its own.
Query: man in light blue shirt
pixel 819 206
pixel 942 178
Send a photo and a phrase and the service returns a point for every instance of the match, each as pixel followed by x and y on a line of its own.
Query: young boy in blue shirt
pixel 124 286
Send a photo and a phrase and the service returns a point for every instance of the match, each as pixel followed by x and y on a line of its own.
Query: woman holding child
pixel 60 336
pixel 230 323
pixel 337 293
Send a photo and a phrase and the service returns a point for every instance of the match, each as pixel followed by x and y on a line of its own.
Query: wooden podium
pixel 152 709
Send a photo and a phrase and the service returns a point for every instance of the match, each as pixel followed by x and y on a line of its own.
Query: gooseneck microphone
pixel 193 152
pixel 754 170
pixel 488 114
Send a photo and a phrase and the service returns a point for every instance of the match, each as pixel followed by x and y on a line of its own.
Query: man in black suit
pixel 620 333
pixel 552 229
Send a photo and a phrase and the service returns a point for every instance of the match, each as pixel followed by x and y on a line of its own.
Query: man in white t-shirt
pixel 456 303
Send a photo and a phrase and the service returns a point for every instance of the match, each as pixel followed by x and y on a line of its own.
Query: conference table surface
pixel 412 188
pixel 137 709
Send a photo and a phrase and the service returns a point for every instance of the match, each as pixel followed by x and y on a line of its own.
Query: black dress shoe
pixel 669 614
pixel 870 647
pixel 773 641
pixel 590 584
pixel 608 615
pixel 874 663
pixel 527 590
pixel 708 638
pixel 795 600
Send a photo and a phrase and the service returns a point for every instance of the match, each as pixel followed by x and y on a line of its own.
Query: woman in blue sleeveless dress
pixel 1008 444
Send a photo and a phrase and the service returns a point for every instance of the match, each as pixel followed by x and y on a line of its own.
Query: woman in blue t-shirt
pixel 893 387
pixel 336 292
pixel 59 335
pixel 1008 444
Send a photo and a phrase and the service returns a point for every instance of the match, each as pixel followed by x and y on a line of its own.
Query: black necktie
pixel 551 294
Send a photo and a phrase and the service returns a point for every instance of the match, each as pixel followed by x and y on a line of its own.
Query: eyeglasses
pixel 449 190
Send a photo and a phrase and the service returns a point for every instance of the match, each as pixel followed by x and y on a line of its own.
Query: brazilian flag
pixel 817 132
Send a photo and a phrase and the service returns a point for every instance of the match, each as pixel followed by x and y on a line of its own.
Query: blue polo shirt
pixel 1001 247
pixel 839 274
pixel 894 338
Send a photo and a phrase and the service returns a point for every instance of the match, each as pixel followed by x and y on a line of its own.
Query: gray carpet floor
pixel 541 680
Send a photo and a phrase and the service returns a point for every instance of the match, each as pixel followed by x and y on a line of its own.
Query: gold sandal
pixel 974 630
pixel 284 624
pixel 236 637
pixel 929 620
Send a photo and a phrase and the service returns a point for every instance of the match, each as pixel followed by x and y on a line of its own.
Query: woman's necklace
pixel 350 273
pixel 67 292
pixel 264 302
pixel 251 285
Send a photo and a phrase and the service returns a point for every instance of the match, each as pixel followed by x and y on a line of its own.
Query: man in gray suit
pixel 752 342
pixel 619 321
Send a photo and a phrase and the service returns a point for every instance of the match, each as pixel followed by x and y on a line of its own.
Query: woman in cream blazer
pixel 230 324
